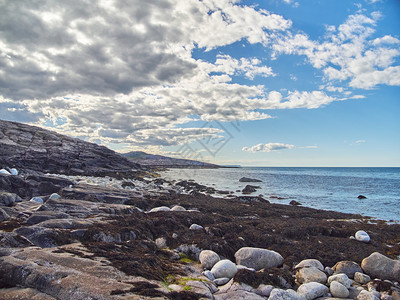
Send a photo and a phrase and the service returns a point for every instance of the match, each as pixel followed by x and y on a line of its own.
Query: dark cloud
pixel 52 49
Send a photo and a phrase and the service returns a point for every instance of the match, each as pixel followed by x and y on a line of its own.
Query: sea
pixel 333 188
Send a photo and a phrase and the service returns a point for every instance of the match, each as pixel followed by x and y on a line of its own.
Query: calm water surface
pixel 323 188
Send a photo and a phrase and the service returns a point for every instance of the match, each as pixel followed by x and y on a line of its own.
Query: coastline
pixel 139 231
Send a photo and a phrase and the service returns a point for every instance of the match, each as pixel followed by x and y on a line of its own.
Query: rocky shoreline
pixel 85 237
pixel 79 222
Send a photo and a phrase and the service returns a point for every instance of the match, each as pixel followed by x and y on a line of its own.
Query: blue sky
pixel 257 83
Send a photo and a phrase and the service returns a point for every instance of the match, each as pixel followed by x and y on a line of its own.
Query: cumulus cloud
pixel 349 54
pixel 268 147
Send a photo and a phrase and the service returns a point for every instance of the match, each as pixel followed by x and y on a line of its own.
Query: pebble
pixel 362 236
pixel 208 259
pixel 338 290
pixel 195 227
pixel 264 290
pixel 279 294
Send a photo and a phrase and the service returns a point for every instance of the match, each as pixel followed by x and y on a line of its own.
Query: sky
pixel 251 83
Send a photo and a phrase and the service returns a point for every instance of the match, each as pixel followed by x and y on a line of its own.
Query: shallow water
pixel 323 188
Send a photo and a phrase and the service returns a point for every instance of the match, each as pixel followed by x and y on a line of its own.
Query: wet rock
pixel 347 267
pixel 361 197
pixel 246 179
pixel 361 278
pixel 310 263
pixel 310 274
pixel 258 258
pixel 312 290
pixel 224 268
pixel 294 202
pixel 362 236
pixel 380 266
pixel 208 259
pixel 9 199
pixel 248 189
pixel 328 271
pixel 365 295
pixel 338 290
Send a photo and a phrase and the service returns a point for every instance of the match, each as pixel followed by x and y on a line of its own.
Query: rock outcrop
pixel 32 148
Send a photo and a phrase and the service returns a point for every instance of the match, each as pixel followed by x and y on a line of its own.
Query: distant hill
pixel 152 160
pixel 32 148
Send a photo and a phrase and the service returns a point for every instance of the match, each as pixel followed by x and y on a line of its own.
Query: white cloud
pixel 360 141
pixel 268 147
pixel 349 53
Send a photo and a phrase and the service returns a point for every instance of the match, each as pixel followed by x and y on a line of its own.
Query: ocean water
pixel 322 188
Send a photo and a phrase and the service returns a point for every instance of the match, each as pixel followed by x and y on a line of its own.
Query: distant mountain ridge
pixel 153 160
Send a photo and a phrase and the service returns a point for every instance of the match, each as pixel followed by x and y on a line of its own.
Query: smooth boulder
pixel 338 290
pixel 382 267
pixel 341 278
pixel 310 263
pixel 258 258
pixel 312 290
pixel 347 267
pixel 361 278
pixel 310 274
pixel 224 268
pixel 208 259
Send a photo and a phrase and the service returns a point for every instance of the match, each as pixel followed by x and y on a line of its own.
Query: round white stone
pixel 195 227
pixel 178 208
pixel 4 172
pixel 208 259
pixel 312 290
pixel 362 236
pixel 37 200
pixel 54 196
pixel 224 268
pixel 14 171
